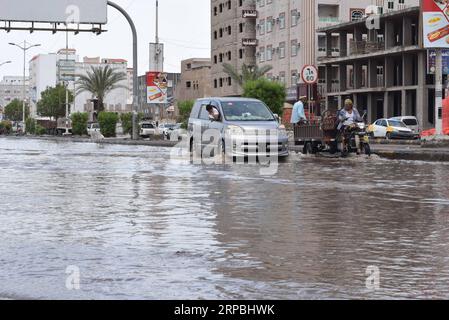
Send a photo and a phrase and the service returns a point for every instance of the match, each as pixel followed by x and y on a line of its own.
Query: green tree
pixel 108 123
pixel 248 73
pixel 79 123
pixel 30 124
pixel 127 122
pixel 271 93
pixel 52 103
pixel 14 110
pixel 99 81
pixel 185 108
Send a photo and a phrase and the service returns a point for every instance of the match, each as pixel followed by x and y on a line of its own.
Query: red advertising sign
pixel 436 23
pixel 157 85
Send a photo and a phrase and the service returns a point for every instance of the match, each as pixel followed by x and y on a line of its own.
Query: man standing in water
pixel 298 113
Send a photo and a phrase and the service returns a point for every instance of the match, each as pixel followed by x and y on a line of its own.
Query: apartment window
pixel 188 66
pixel 240 3
pixel 221 82
pixel 294 78
pixel 282 20
pixel 229 81
pixel 241 27
pixel 269 53
pixel 221 32
pixel 188 84
pixel 229 5
pixel 215 35
pixel 241 51
pixel 261 3
pixel 294 48
pixel 294 17
pixel 282 77
pixel 262 54
pixel 229 30
pixel 229 55
pixel 221 57
pixel 215 59
pixel 215 83
pixel 262 27
pixel 215 11
pixel 269 24
pixel 221 7
pixel 390 5
pixel 282 50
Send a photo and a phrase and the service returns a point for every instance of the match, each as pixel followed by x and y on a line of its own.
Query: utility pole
pixel 25 48
pixel 67 85
pixel 135 67
pixel 157 21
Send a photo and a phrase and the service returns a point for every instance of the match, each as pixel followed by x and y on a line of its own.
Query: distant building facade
pixel 11 88
pixel 234 42
pixel 385 71
pixel 162 111
pixel 195 81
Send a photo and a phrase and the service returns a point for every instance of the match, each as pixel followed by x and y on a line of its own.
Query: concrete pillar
pixel 329 44
pixel 389 72
pixel 406 31
pixel 343 44
pixel 407 70
pixel 342 73
pixel 389 34
pixel 358 73
pixel 386 104
pixel 421 92
pixel 371 108
pixel 404 105
pixel 372 73
pixel 329 78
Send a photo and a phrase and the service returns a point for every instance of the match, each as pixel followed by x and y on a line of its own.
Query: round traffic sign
pixel 309 74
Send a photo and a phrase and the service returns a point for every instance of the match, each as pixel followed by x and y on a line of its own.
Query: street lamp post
pixel 26 46
pixel 6 62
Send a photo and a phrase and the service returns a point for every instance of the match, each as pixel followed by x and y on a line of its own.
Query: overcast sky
pixel 184 28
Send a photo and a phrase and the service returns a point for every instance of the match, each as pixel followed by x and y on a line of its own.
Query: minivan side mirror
pixel 276 116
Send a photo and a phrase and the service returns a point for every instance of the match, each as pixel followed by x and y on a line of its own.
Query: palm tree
pixel 248 73
pixel 100 81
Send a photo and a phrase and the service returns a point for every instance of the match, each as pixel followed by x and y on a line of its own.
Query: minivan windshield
pixel 246 111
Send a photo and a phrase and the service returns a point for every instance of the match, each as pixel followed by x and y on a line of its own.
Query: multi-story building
pixel 195 80
pixel 287 37
pixel 11 88
pixel 161 111
pixel 384 70
pixel 234 41
pixel 48 70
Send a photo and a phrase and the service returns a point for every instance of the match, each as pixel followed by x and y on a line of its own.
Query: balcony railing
pixel 380 80
pixel 363 47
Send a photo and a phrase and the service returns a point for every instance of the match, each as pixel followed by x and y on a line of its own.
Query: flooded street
pixel 139 225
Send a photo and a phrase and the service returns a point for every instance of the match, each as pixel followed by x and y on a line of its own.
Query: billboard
pixel 431 61
pixel 157 87
pixel 435 23
pixel 54 11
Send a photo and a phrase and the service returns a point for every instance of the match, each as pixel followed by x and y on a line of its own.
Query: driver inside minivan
pixel 213 113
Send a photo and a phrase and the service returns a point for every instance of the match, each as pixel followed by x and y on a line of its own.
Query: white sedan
pixel 390 129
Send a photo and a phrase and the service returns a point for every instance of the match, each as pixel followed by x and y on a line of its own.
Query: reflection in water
pixel 139 225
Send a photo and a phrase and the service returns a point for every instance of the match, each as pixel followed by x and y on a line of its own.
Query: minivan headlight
pixel 234 131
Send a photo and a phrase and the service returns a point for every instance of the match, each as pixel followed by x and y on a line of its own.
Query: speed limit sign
pixel 309 74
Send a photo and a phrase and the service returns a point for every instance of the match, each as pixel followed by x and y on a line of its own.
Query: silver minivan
pixel 245 127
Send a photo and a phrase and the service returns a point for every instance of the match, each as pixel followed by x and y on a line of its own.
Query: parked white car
pixel 93 128
pixel 390 129
pixel 148 129
pixel 412 123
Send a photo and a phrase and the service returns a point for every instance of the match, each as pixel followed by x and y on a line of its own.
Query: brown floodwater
pixel 140 224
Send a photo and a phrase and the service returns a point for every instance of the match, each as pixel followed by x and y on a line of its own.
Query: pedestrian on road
pixel 298 113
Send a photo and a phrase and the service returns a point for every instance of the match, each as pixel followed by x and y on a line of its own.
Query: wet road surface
pixel 140 225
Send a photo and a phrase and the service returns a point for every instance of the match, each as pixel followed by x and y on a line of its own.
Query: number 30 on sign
pixel 309 74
